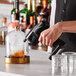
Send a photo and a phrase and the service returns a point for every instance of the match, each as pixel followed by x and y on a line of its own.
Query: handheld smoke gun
pixel 34 34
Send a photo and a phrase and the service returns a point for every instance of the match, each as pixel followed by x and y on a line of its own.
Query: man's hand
pixel 49 36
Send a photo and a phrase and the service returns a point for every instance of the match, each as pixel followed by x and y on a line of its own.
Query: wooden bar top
pixel 8 2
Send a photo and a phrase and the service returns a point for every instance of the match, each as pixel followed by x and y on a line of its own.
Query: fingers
pixel 42 37
pixel 47 41
pixel 44 40
pixel 48 38
pixel 51 43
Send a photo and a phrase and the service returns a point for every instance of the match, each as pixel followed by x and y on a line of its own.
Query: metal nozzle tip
pixel 25 40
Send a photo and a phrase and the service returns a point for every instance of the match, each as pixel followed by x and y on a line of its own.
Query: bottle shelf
pixel 8 2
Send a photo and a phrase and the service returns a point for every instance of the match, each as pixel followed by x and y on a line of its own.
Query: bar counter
pixel 39 64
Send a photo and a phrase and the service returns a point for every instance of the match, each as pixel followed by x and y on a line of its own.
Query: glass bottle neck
pixel 45 3
pixel 16 4
pixel 33 5
pixel 29 5
pixel 31 20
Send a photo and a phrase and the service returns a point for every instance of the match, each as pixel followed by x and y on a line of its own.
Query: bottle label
pixel 24 17
pixel 13 17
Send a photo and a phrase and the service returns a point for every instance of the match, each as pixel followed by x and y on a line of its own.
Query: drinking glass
pixel 59 64
pixel 71 61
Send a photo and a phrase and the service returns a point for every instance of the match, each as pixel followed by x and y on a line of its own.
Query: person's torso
pixel 66 11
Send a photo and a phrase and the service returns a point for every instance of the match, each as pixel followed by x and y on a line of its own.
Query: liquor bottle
pixel 34 13
pixel 44 3
pixel 21 24
pixel 15 11
pixel 30 5
pixel 49 1
pixel 3 30
pixel 33 5
pixel 12 25
pixel 31 25
pixel 39 18
pixel 44 12
pixel 4 21
pixel 24 15
pixel 39 6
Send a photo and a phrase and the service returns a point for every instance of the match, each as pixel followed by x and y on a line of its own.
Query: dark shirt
pixel 66 11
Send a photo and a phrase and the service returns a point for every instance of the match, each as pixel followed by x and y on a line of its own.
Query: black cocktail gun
pixel 34 34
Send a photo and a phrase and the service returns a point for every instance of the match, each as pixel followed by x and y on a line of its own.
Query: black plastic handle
pixel 57 45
